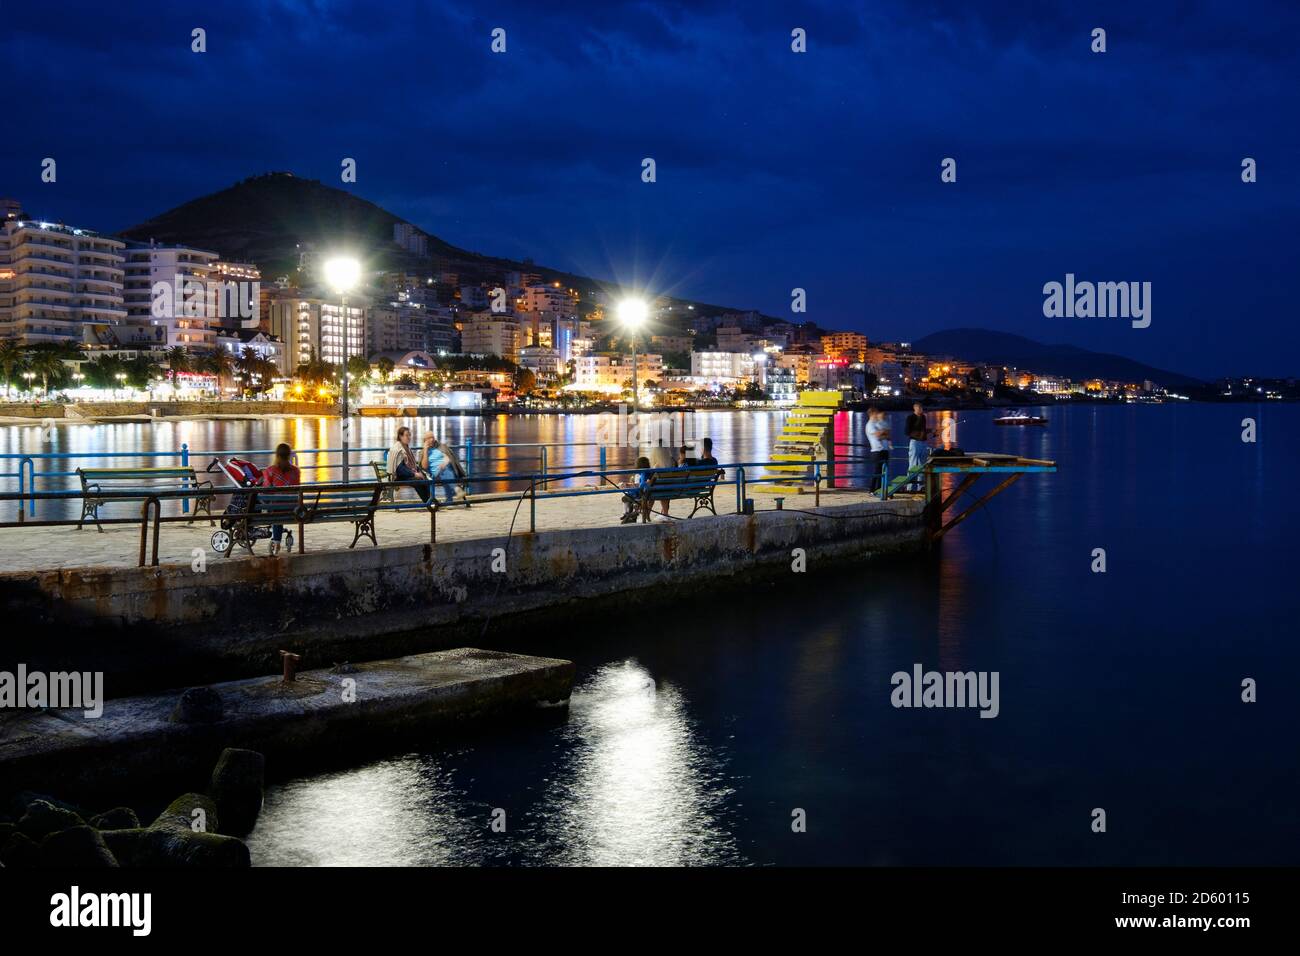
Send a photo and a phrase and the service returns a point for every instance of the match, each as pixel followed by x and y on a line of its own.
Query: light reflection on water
pixel 633 788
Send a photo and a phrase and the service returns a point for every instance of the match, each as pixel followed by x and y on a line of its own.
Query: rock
pixel 21 852
pixel 180 814
pixel 6 831
pixel 198 705
pixel 124 844
pixel 42 819
pixel 167 847
pixel 237 789
pixel 80 848
pixel 171 840
pixel 26 798
pixel 119 818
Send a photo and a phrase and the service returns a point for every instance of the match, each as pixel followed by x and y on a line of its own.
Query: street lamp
pixel 121 380
pixel 632 313
pixel 341 274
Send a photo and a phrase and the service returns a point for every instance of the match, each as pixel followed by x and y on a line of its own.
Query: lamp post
pixel 632 313
pixel 342 273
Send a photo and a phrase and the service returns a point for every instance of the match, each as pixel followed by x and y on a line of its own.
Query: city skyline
pixel 766 180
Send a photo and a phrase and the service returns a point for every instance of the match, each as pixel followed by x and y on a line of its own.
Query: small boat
pixel 1017 417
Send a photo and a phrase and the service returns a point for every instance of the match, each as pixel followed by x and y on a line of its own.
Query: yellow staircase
pixel 798 441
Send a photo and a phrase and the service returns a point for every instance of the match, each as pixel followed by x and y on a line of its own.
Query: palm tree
pixel 103 371
pixel 385 366
pixel 218 363
pixel 178 360
pixel 47 362
pixel 11 362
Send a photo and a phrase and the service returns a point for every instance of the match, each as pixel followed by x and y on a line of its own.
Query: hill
pixel 264 218
pixel 1002 348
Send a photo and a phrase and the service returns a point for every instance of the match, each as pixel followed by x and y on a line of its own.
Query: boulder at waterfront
pixel 21 852
pixel 173 840
pixel 119 818
pixel 43 818
pixel 80 847
pixel 237 789
pixel 198 705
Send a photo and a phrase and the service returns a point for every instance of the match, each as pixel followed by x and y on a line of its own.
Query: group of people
pixel 435 464
pixel 662 457
pixel 879 438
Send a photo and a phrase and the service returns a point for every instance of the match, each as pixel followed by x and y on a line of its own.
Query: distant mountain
pixel 263 219
pixel 1068 361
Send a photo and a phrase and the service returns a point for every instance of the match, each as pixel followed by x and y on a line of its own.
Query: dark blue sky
pixel 775 169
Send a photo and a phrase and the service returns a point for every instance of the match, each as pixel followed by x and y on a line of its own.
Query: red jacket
pixel 277 477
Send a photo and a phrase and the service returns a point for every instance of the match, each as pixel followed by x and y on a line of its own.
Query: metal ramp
pixel 804 430
pixel 971 467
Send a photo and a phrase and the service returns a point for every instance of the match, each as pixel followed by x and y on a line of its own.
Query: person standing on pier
pixel 281 473
pixel 918 433
pixel 402 464
pixel 878 437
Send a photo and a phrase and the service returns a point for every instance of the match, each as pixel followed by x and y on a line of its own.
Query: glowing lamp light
pixel 341 273
pixel 632 312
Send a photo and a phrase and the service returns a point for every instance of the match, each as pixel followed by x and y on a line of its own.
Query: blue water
pixel 698 727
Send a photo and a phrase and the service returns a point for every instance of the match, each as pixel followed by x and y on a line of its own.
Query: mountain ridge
pixel 1070 361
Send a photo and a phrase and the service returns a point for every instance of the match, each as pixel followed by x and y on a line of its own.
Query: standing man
pixel 918 451
pixel 878 437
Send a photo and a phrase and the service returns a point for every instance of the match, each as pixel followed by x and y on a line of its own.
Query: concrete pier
pixel 318 718
pixel 90 608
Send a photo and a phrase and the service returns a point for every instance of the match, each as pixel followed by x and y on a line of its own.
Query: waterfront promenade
pixel 65 548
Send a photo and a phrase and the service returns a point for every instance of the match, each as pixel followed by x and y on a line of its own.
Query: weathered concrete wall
pixel 161 626
pixel 298 727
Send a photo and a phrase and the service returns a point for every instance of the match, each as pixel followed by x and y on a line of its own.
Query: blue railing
pixel 475 457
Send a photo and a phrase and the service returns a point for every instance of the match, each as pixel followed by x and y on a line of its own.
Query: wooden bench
pixel 388 495
pixel 141 482
pixel 689 484
pixel 265 507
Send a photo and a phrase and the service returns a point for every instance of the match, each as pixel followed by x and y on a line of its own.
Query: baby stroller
pixel 242 475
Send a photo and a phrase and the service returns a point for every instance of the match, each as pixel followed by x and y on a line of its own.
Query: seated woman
pixel 438 467
pixel 631 503
pixel 281 473
pixel 403 465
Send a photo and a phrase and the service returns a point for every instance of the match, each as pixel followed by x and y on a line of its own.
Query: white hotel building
pixel 606 372
pixel 55 280
pixel 192 322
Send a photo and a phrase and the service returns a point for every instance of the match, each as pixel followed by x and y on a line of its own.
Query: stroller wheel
pixel 220 541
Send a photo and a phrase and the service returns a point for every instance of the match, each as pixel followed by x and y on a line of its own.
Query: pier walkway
pixel 38 548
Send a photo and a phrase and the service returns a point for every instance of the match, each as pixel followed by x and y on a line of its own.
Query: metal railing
pixel 151 517
pixel 471 453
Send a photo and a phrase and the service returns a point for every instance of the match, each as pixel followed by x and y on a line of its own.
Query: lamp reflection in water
pixel 637 788
pixel 402 812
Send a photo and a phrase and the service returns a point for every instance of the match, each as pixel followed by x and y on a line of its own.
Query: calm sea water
pixel 698 729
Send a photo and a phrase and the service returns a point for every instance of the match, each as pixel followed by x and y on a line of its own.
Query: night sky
pixel 775 169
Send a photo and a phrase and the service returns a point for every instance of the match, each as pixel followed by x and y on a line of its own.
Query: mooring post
pixel 185 461
pixel 740 489
pixel 290 666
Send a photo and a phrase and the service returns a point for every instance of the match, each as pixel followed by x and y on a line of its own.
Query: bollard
pixel 290 666
pixel 780 504
pixel 185 461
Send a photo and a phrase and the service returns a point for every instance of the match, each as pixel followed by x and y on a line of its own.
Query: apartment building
pixel 488 334
pixel 169 286
pixel 722 368
pixel 312 329
pixel 607 371
pixel 55 279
